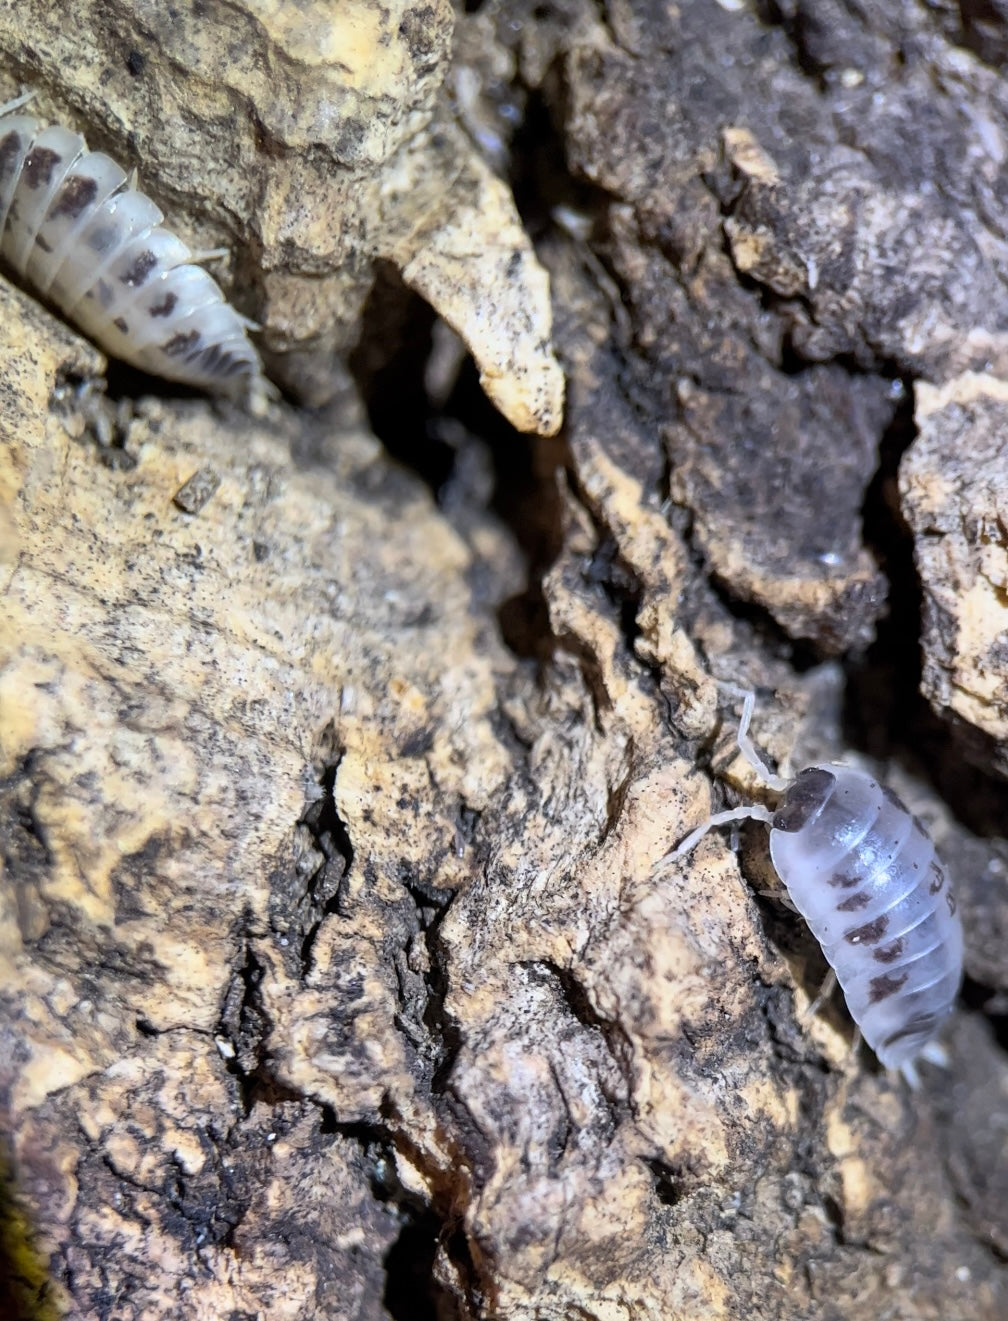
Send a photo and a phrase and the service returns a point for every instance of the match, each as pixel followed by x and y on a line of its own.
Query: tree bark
pixel 340 749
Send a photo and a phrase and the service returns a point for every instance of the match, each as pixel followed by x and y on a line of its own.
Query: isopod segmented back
pixel 80 236
pixel 862 871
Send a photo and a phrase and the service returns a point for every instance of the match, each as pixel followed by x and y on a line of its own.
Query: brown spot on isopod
pixel 181 343
pixel 37 171
pixel 139 269
pixel 880 988
pixel 855 901
pixel 121 324
pixel 844 880
pixel 937 875
pixel 166 306
pixel 869 933
pixel 10 152
pixel 75 195
pixel 889 953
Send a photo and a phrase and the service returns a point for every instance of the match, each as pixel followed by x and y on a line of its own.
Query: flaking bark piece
pixel 954 496
pixel 776 479
pixel 830 243
pixel 754 442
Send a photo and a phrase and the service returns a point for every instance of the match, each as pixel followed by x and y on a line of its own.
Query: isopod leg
pixel 909 1072
pixel 856 1040
pixel 779 896
pixel 825 991
pixel 208 254
pixel 745 743
pixel 935 1053
pixel 749 812
pixel 16 104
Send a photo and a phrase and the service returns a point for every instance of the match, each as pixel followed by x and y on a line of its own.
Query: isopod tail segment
pixel 863 873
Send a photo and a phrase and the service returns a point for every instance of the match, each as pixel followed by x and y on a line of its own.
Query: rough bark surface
pixel 338 975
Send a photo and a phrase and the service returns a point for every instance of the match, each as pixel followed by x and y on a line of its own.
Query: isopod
pixel 78 233
pixel 861 870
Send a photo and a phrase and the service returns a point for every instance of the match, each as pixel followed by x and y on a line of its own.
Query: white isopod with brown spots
pixel 862 871
pixel 78 234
